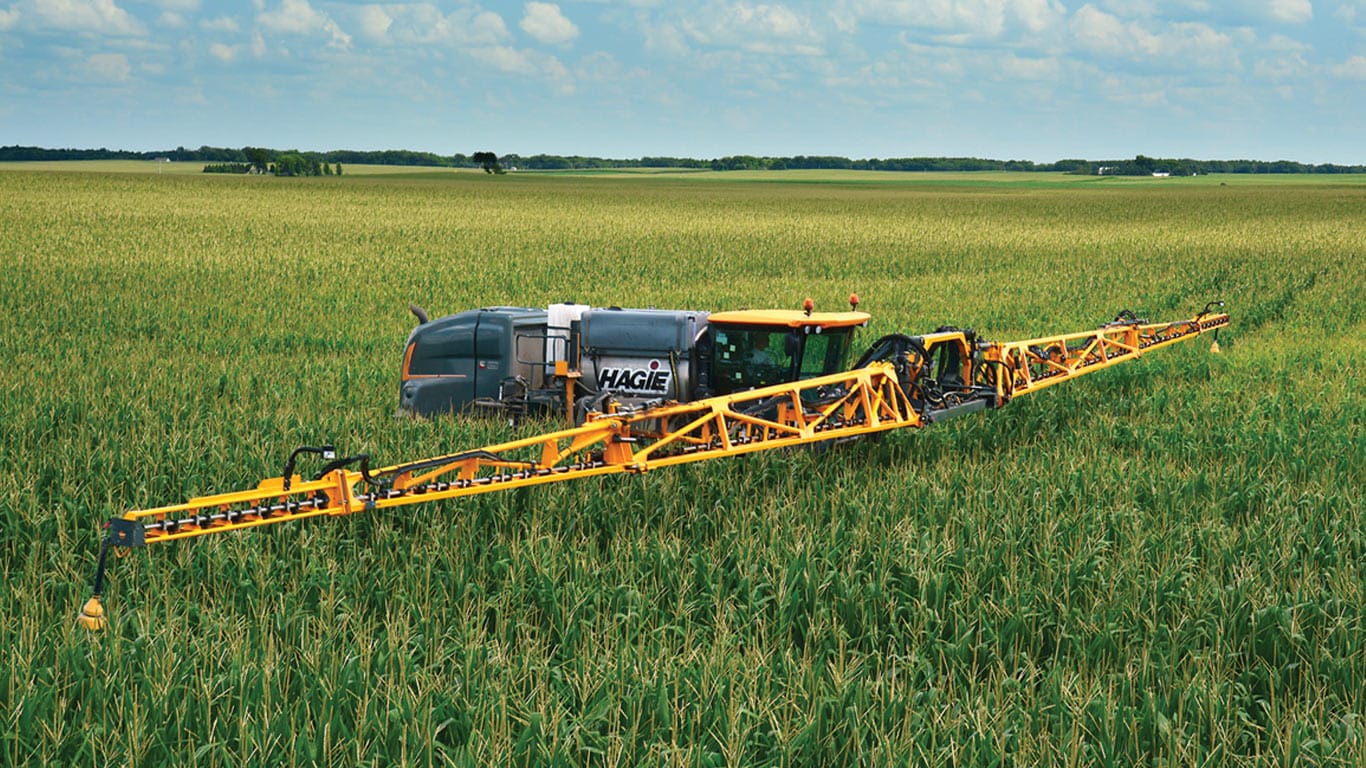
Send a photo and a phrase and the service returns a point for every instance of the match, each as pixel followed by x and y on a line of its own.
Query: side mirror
pixel 792 344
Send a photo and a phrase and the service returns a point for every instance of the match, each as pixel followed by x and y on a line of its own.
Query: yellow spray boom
pixel 902 381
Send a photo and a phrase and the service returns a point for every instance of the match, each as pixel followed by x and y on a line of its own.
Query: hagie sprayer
pixel 647 389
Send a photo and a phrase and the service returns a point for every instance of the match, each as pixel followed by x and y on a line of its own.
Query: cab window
pixel 751 358
pixel 825 353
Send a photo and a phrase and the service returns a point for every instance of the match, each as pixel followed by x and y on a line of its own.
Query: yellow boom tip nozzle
pixel 92 615
pixel 1214 347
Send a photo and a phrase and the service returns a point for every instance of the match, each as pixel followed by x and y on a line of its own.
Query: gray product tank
pixel 639 355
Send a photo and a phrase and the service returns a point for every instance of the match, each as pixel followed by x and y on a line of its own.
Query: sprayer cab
pixel 760 347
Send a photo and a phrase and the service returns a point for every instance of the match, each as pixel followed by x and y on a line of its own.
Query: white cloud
pixel 773 20
pixel 599 66
pixel 97 16
pixel 506 59
pixel 1288 67
pixel 666 40
pixel 529 63
pixel 1177 45
pixel 1225 14
pixel 178 6
pixel 546 23
pixel 339 38
pixel 1101 32
pixel 425 24
pixel 1283 43
pixel 1351 69
pixel 758 28
pixel 1030 69
pixel 1197 44
pixel 844 19
pixel 220 24
pixel 972 15
pixel 112 67
pixel 1038 15
pixel 487 24
pixel 224 53
pixel 1291 11
pixel 959 21
pixel 559 74
pixel 8 19
pixel 375 22
pixel 297 17
pixel 913 73
pixel 1130 90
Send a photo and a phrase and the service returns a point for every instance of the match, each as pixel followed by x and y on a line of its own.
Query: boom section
pixel 837 406
pixel 1020 367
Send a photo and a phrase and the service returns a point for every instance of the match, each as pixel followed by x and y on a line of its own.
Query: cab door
pixel 493 339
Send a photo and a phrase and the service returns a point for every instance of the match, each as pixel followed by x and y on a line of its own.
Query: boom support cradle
pixel 909 387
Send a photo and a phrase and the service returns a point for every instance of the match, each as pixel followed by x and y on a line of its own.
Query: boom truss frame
pixel 1034 364
pixel 830 407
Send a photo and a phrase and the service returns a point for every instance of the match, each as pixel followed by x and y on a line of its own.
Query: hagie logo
pixel 653 380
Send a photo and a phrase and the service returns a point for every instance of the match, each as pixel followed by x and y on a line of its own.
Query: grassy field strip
pixel 815 176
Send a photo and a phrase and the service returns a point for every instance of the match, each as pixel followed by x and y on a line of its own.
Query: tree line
pixel 295 162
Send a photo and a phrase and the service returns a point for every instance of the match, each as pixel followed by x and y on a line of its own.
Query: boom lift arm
pixel 902 381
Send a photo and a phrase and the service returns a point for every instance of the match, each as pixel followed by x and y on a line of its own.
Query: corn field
pixel 1160 564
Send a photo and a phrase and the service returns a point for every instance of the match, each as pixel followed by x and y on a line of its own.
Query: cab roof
pixel 790 318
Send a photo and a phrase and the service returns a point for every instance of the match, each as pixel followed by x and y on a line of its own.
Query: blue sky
pixel 1026 79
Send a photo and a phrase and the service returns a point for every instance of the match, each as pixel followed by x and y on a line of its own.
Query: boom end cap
pixel 92 616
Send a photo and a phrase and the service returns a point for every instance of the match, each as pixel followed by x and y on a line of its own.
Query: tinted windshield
pixel 826 353
pixel 751 358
